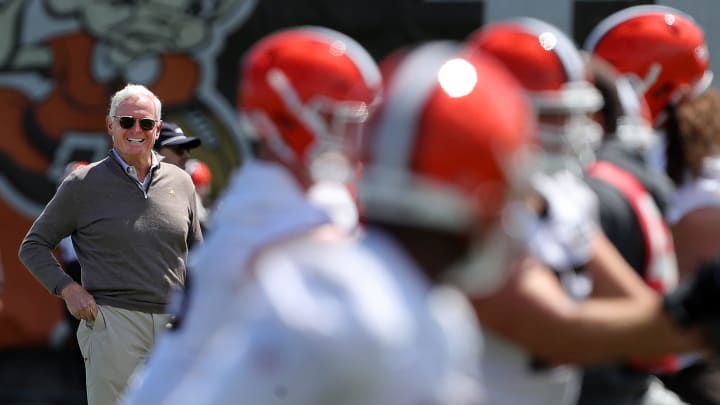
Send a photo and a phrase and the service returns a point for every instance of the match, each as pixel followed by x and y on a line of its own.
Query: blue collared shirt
pixel 132 173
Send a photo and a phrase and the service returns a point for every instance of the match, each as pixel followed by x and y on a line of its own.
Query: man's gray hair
pixel 131 90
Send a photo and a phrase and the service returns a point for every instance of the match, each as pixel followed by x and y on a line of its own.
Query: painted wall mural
pixel 60 61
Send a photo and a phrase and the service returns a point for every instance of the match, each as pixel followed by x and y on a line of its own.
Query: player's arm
pixel 533 310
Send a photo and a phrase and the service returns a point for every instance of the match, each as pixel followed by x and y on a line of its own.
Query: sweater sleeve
pixel 55 222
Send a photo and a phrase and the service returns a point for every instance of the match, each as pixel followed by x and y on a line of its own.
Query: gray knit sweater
pixel 132 246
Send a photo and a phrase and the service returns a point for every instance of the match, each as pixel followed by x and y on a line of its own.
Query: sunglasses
pixel 126 122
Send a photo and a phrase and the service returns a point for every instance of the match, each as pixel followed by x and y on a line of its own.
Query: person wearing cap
pixel 132 218
pixel 174 146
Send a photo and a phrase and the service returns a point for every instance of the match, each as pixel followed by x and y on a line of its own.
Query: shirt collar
pixel 129 170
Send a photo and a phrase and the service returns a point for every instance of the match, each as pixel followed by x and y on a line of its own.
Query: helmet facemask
pixel 569 141
pixel 336 128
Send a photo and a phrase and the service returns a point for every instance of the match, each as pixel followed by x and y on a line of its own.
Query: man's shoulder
pixel 92 172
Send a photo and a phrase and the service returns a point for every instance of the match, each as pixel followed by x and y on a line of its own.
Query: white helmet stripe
pixel 406 99
pixel 621 16
pixel 628 97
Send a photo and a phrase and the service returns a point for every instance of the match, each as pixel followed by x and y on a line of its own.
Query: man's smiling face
pixel 134 143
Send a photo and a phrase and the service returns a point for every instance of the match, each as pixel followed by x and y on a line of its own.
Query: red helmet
pixel 444 148
pixel 447 150
pixel 201 176
pixel 662 47
pixel 550 67
pixel 306 91
pixel 544 59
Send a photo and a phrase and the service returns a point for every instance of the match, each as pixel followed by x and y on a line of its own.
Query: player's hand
pixel 79 302
pixel 696 301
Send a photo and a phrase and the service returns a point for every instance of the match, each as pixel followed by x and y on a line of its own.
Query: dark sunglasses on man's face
pixel 146 124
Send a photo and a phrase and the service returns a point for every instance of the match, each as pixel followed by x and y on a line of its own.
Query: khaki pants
pixel 113 345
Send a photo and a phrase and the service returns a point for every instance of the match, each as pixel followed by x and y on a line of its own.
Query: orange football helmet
pixel 550 67
pixel 663 48
pixel 445 147
pixel 448 149
pixel 201 176
pixel 305 93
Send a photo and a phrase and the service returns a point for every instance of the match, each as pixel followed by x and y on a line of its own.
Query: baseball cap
pixel 173 135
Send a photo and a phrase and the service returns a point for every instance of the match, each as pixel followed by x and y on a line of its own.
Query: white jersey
pixel 335 199
pixel 561 240
pixel 513 377
pixel 298 315
pixel 696 193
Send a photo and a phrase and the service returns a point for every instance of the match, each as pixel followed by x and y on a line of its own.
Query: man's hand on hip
pixel 79 302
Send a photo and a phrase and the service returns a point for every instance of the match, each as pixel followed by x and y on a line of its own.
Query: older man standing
pixel 132 219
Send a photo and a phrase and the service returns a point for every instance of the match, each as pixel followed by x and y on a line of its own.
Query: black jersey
pixel 617 384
